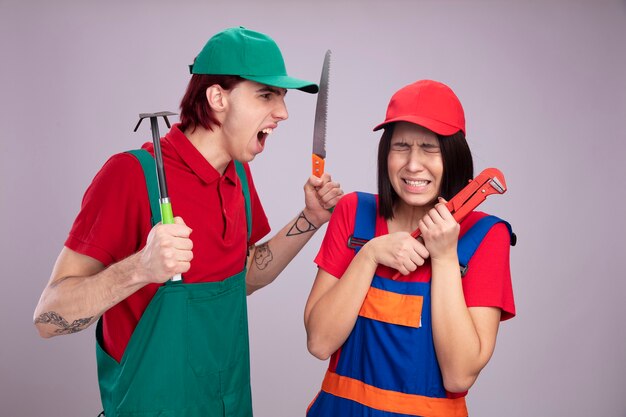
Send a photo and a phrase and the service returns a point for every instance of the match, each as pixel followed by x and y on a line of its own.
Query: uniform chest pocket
pixel 393 308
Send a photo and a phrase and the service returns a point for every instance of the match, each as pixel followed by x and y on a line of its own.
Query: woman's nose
pixel 415 162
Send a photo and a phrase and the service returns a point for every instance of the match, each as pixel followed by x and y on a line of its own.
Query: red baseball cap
pixel 427 103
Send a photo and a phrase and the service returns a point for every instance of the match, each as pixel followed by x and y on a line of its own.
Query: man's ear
pixel 216 96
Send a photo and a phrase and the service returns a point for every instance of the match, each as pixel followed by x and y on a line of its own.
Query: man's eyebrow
pixel 277 91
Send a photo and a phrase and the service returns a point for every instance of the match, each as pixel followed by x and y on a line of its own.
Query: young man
pixel 181 349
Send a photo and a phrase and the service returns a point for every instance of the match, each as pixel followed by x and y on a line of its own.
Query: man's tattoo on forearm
pixel 263 255
pixel 56 319
pixel 302 225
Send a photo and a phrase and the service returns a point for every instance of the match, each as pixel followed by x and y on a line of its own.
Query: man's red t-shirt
pixel 114 222
pixel 488 279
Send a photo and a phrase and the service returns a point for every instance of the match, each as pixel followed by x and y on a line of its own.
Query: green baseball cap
pixel 250 55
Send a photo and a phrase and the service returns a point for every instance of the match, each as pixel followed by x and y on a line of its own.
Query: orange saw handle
pixel 318 169
pixel 317 165
pixel 489 181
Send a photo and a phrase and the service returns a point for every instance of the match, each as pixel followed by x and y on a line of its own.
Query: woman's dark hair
pixel 458 169
pixel 194 107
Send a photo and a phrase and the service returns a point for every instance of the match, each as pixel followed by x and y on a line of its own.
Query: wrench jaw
pixel 495 175
pixel 489 181
pixel 499 187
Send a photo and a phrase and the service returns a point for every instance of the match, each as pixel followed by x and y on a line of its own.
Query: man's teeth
pixel 267 130
pixel 417 183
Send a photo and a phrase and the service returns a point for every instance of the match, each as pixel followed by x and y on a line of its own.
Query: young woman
pixel 415 345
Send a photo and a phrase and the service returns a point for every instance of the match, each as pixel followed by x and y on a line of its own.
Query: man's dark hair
pixel 194 107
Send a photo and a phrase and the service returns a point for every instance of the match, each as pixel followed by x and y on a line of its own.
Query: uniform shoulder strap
pixel 364 222
pixel 241 173
pixel 149 172
pixel 470 241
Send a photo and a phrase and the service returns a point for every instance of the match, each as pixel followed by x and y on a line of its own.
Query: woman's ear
pixel 216 97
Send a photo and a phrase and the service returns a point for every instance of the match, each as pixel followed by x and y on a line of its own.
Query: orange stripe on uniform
pixel 392 401
pixel 391 307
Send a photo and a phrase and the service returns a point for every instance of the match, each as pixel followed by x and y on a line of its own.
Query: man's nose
pixel 280 112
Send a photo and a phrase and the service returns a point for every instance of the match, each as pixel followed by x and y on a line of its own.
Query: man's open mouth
pixel 263 134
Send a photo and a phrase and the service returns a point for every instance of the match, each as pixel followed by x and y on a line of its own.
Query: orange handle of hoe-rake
pixel 489 181
pixel 317 165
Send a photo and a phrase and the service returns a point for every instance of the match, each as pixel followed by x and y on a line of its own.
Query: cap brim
pixel 436 126
pixel 284 81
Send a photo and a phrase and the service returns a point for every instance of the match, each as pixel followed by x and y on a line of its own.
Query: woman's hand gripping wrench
pixel 489 181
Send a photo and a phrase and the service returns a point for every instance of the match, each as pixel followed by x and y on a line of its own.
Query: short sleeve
pixel 114 217
pixel 488 279
pixel 334 255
